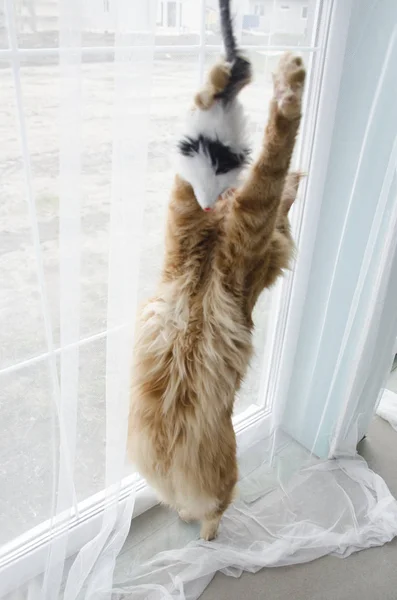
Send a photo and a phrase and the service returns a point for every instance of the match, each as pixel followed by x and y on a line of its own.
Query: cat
pixel 194 339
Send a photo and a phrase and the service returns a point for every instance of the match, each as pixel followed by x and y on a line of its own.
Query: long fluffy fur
pixel 194 337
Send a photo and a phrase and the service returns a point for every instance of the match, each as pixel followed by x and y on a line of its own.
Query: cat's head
pixel 214 150
pixel 210 167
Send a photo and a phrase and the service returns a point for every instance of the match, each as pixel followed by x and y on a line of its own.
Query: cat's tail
pixel 228 37
pixel 241 71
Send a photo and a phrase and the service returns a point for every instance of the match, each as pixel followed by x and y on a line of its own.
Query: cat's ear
pixel 290 190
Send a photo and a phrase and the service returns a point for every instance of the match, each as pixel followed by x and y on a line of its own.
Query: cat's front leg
pixel 288 82
pixel 255 208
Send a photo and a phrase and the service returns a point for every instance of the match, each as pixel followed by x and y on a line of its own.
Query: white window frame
pixel 24 559
pixel 180 14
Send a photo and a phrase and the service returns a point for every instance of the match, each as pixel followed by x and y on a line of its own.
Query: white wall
pixel 364 132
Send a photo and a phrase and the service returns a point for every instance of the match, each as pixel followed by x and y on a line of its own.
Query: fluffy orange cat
pixel 194 338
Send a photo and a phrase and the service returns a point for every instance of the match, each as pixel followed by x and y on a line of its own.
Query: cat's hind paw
pixel 186 515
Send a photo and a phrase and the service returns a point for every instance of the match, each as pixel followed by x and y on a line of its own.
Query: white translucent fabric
pixel 332 507
pixel 112 230
pixel 133 48
pixel 387 408
pixel 303 491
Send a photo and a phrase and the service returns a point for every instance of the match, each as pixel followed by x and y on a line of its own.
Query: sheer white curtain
pixel 92 569
pixel 128 61
pixel 303 491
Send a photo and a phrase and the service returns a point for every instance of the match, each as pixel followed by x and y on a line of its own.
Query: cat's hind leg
pixel 209 512
pixel 210 526
pixel 210 522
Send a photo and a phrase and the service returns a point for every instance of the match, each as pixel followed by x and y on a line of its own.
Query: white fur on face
pixel 225 124
pixel 207 185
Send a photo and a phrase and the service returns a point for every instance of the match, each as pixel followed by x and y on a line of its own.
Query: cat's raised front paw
pixel 289 79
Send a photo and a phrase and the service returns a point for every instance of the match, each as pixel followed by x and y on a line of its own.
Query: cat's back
pixel 193 346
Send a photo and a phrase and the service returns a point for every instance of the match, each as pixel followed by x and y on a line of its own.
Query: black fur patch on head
pixel 223 158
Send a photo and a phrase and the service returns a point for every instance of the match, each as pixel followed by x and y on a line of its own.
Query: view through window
pixel 187 42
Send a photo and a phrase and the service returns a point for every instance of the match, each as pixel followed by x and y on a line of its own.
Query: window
pixel 284 7
pixel 26 382
pixel 304 12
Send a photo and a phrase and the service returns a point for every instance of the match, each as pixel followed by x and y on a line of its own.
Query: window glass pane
pixel 257 22
pixel 3 30
pixel 21 322
pixel 37 22
pixel 159 16
pixel 26 393
pixel 29 444
pixel 28 449
pixel 180 23
pixel 89 468
pixel 265 22
pixel 40 96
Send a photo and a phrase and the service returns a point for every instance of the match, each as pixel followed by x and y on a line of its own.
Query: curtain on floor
pixel 304 492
